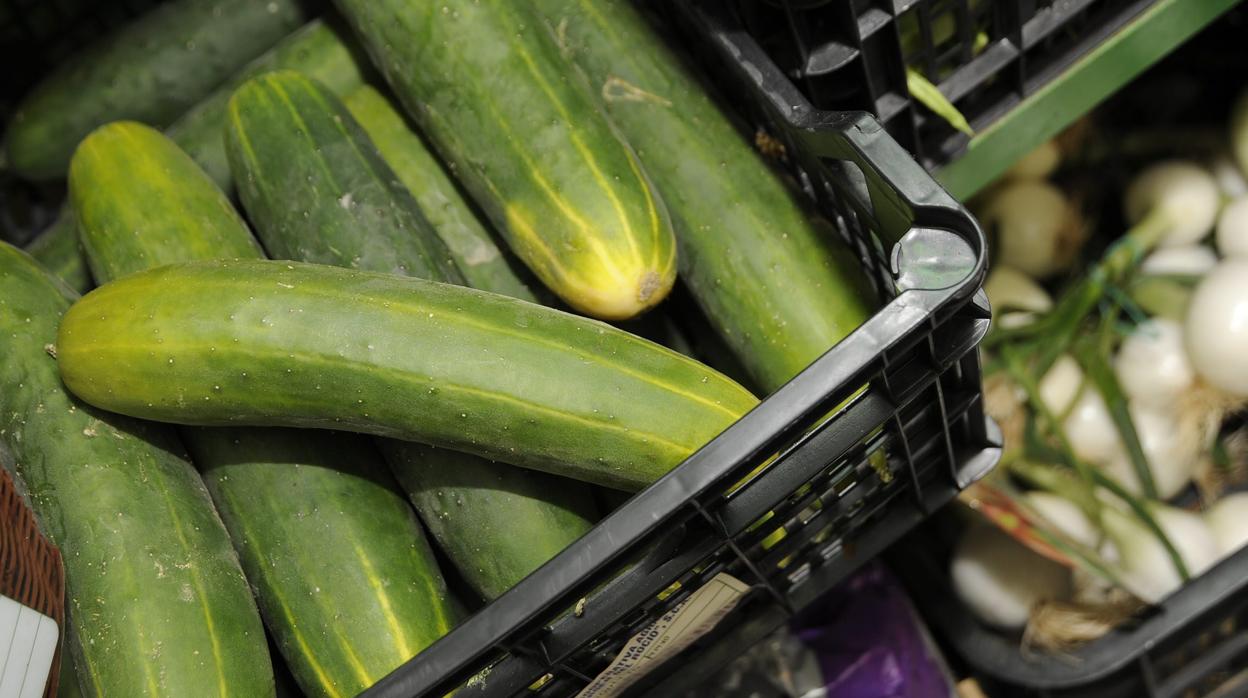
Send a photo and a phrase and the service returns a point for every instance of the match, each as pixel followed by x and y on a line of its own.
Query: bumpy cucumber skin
pixel 293 147
pixel 496 522
pixel 346 579
pixel 141 202
pixel 476 515
pixel 156 597
pixel 526 138
pixel 319 50
pixel 286 344
pixel 59 251
pixel 776 282
pixel 151 70
pixel 473 247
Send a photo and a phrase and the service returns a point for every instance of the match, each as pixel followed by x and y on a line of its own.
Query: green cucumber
pixel 318 49
pixel 155 594
pixel 476 253
pixel 57 248
pixel 345 578
pixel 289 344
pixel 774 280
pixel 529 143
pixel 151 70
pixel 141 202
pixel 315 187
pixel 296 151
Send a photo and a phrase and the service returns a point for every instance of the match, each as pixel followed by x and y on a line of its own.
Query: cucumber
pixel 496 522
pixel 155 594
pixel 58 250
pixel 292 147
pixel 296 150
pixel 289 344
pixel 528 142
pixel 775 281
pixel 151 70
pixel 141 202
pixel 345 578
pixel 318 49
pixel 472 245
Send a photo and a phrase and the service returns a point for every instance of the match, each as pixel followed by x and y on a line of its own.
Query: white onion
pixel 1171 452
pixel 1041 162
pixel 1152 364
pixel 1000 580
pixel 1091 429
pixel 1065 516
pixel 1015 297
pixel 1229 177
pixel 1060 385
pixel 1038 232
pixel 1144 565
pixel 1228 519
pixel 1193 260
pixel 1183 192
pixel 1232 233
pixel 1216 330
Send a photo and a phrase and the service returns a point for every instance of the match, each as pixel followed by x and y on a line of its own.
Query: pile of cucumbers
pixel 348 370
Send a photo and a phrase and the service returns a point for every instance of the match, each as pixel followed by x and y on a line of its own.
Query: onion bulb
pixel 1000 580
pixel 1232 232
pixel 1091 429
pixel 1041 162
pixel 1144 565
pixel 1015 298
pixel 1152 364
pixel 1183 192
pixel 1229 177
pixel 1065 516
pixel 1228 519
pixel 1216 330
pixel 1171 446
pixel 1038 231
pixel 1187 260
pixel 1060 385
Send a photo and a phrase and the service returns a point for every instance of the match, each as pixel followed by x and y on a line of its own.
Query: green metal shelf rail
pixel 1043 114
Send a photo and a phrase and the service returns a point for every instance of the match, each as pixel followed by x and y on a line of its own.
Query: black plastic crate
pixel 1193 644
pixel 842 483
pixel 985 56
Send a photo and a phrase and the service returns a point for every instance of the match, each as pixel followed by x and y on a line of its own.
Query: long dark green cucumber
pixel 59 251
pixel 320 50
pixel 345 578
pixel 529 143
pixel 141 202
pixel 473 246
pixel 293 148
pixel 156 597
pixel 775 281
pixel 289 344
pixel 151 70
pixel 495 521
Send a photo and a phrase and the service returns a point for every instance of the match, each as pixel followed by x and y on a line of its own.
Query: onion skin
pixel 1152 364
pixel 1232 230
pixel 1184 192
pixel 1228 519
pixel 1216 329
pixel 1000 580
